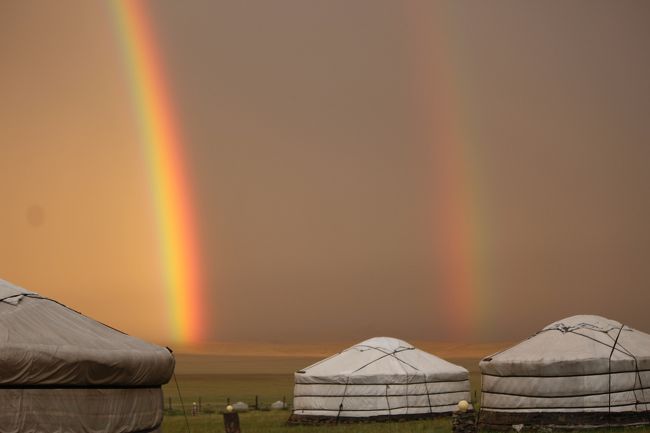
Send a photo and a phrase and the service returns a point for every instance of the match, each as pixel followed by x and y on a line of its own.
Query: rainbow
pixel 163 148
pixel 459 237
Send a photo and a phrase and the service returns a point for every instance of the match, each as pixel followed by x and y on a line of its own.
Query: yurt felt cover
pixel 380 377
pixel 576 365
pixel 62 371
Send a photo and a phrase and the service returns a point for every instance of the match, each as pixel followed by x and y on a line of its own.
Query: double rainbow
pixel 458 237
pixel 163 146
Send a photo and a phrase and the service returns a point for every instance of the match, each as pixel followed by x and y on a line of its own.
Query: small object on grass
pixel 278 405
pixel 463 405
pixel 240 406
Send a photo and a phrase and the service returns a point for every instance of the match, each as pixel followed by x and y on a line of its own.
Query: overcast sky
pixel 313 130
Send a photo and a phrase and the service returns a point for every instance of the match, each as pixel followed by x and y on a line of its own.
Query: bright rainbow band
pixel 167 165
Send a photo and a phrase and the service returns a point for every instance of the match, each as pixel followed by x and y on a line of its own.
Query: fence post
pixel 231 422
pixel 257 407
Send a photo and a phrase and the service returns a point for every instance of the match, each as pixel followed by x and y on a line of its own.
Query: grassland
pixel 215 391
pixel 275 422
pixel 215 380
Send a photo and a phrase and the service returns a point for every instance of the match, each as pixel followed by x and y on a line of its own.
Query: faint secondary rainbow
pixel 459 236
pixel 163 146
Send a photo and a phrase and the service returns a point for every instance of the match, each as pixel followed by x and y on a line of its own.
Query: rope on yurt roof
pixel 620 348
pixel 609 385
pixel 388 401
pixel 399 349
pixel 426 387
pixel 338 415
pixel 641 388
pixel 561 327
pixel 386 354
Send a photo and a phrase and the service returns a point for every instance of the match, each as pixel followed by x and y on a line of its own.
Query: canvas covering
pixel 62 371
pixel 379 377
pixel 578 364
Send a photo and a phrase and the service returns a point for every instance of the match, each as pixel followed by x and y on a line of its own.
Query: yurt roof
pixel 583 344
pixel 43 342
pixel 384 359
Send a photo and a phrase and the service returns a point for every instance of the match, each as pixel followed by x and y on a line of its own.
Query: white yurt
pixel 579 371
pixel 61 371
pixel 378 378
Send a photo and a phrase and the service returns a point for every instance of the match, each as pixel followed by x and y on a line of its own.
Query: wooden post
pixel 257 407
pixel 231 422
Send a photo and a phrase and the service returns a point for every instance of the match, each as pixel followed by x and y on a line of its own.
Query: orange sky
pixel 312 159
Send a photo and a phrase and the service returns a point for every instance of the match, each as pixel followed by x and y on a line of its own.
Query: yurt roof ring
pixel 397 350
pixel 386 354
pixel 573 330
pixel 564 329
pixel 15 298
pixel 583 325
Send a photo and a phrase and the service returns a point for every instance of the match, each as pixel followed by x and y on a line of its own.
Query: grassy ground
pixel 217 380
pixel 216 390
pixel 275 422
pixel 270 380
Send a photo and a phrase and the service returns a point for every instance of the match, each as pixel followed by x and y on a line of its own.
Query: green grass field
pixel 215 380
pixel 215 390
pixel 275 422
